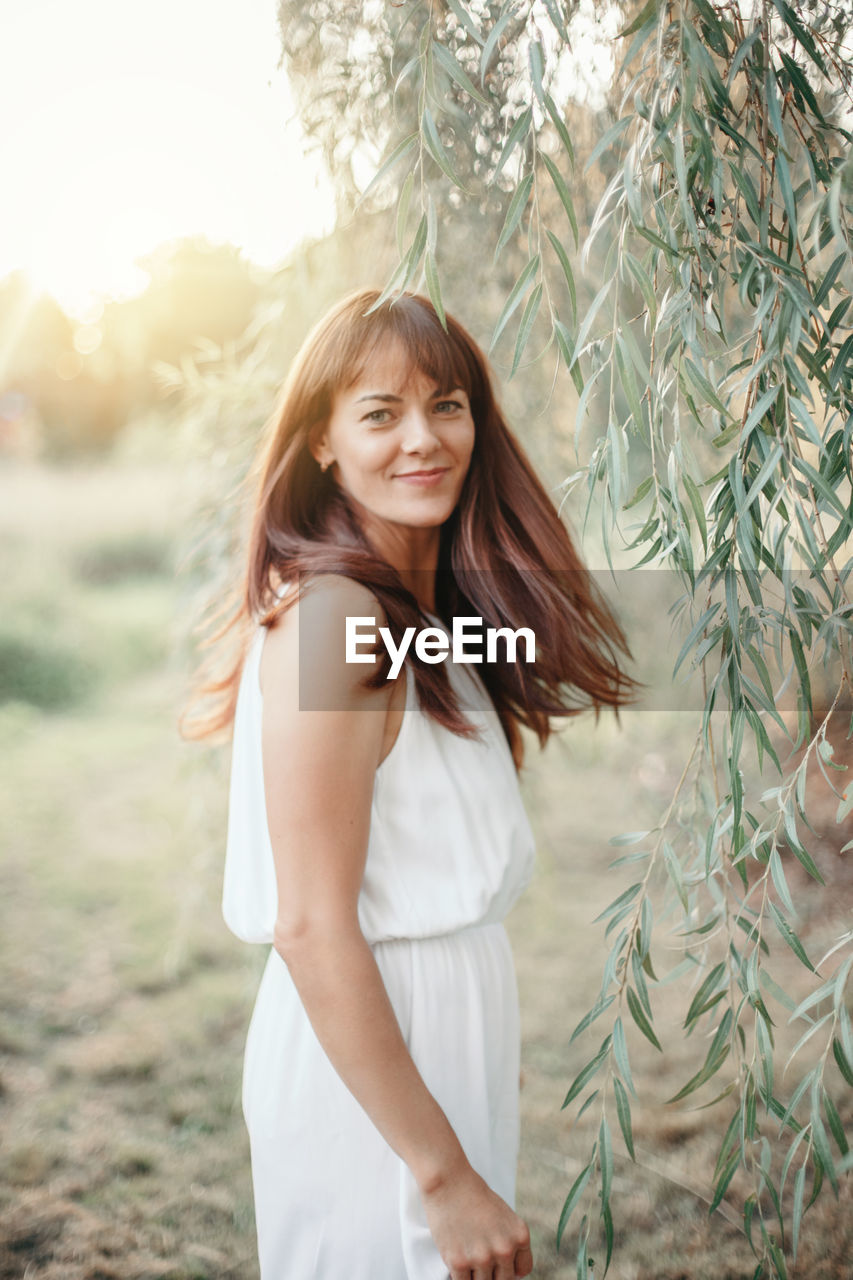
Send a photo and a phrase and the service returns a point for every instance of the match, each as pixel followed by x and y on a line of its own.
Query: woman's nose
pixel 418 434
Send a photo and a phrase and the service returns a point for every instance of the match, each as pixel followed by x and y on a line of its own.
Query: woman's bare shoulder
pixel 308 642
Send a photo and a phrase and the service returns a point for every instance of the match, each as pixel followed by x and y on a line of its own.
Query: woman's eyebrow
pixel 390 399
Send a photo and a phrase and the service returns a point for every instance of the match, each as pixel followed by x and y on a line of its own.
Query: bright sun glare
pixel 130 125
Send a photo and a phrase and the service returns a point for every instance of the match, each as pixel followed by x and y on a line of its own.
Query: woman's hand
pixel 475 1231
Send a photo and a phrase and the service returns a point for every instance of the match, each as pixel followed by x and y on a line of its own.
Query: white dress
pixel 450 849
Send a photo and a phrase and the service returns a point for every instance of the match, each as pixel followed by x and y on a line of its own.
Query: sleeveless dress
pixel 450 849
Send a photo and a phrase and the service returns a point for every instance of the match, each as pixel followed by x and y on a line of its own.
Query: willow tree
pixel 714 371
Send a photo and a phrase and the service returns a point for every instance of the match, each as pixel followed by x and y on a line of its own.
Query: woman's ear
pixel 319 446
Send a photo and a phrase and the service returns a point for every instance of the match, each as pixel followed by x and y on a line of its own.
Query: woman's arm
pixel 319 768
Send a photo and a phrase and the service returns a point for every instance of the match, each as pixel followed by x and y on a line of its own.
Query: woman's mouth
pixel 427 477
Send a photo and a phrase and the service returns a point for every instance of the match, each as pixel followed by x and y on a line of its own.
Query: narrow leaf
pixel 434 288
pixel 516 293
pixel 790 937
pixel 446 59
pixel 623 1111
pixel 402 149
pixel 571 1201
pixel 640 1018
pixel 563 193
pixel 528 319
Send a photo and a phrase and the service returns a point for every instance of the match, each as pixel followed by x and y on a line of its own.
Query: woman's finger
pixel 523 1262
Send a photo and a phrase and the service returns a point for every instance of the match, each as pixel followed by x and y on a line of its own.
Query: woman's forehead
pixel 390 365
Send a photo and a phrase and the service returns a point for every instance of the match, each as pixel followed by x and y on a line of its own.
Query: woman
pixel 376 834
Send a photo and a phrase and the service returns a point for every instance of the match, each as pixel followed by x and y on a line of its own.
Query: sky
pixel 125 126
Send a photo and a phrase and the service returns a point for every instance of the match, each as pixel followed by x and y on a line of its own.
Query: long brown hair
pixel 504 554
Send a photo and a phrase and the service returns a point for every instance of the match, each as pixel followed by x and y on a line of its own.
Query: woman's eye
pixel 449 405
pixel 377 416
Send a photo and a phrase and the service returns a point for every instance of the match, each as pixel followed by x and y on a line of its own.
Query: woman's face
pixel 397 444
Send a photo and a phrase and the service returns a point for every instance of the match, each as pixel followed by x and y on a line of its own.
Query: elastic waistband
pixel 478 927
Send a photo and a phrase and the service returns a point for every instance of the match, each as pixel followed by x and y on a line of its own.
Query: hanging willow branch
pixel 714 368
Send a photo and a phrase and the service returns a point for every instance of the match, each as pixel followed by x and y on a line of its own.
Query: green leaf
pixel 403 210
pixel 518 132
pixel 607 1219
pixel 725 1178
pixel 563 258
pixel 708 1070
pixel 819 483
pixel 703 386
pixel 563 193
pixel 845 1067
pixel 707 991
pixel 405 269
pixel 607 140
pixel 446 60
pixel 517 205
pixel 584 1263
pixel 695 632
pixel 620 1053
pixel 559 125
pixel 589 318
pixel 587 1104
pixel 605 1156
pixel 648 11
pixel 804 36
pixel 797 1211
pixel 516 293
pixel 434 288
pixel 434 146
pixel 586 1073
pixel 402 149
pixel 623 900
pixel 554 8
pixel 640 274
pixel 623 1111
pixel 829 279
pixel 572 1199
pixel 536 64
pixel 629 837
pixel 640 1018
pixel 836 1128
pixel 628 381
pixel 492 41
pixel 528 319
pixel 762 476
pixel 822 1148
pixel 790 937
pixel 601 1004
pixel 466 20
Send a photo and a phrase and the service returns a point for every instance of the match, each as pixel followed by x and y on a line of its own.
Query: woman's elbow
pixel 311 934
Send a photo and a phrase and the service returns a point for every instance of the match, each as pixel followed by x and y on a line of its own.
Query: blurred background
pixel 168 233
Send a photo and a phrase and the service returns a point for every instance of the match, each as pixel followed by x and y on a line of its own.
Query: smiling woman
pixel 378 844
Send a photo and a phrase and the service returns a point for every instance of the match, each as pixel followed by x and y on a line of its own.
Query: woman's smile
pixel 425 477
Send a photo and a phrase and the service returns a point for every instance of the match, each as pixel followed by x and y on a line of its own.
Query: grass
pixel 124 1001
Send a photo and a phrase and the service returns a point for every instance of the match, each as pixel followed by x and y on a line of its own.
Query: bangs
pixel 442 356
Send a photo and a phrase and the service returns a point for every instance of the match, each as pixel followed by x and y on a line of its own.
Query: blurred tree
pixel 83 382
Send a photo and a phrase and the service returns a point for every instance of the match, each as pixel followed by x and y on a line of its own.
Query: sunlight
pixel 137 127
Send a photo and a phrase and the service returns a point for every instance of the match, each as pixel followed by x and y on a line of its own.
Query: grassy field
pixel 124 1001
